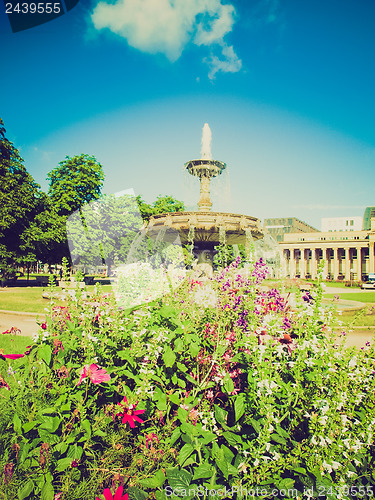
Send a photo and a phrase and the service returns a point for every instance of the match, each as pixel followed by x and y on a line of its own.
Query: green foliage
pixel 74 182
pixel 20 201
pixel 163 204
pixel 218 385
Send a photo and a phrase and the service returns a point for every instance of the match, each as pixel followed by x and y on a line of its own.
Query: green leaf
pixel 17 424
pixel 50 424
pixel 286 484
pixel 155 481
pixel 181 367
pixel 169 357
pixel 47 491
pixel 175 435
pixel 75 452
pixel 300 470
pixel 194 349
pixel 125 354
pixel 222 463
pixel 45 353
pixel 278 439
pixel 181 383
pixel 99 433
pixel 256 425
pixel 221 415
pixel 85 424
pixel 63 464
pixel 136 493
pixel 178 345
pixel 239 406
pixel 174 398
pixel 161 401
pixel 178 478
pixel 203 471
pixel 25 447
pixel 26 490
pixel 28 426
pixel 228 383
pixel 185 453
pixel 231 438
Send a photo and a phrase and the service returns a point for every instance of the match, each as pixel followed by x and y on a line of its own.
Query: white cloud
pixel 168 26
pixel 229 63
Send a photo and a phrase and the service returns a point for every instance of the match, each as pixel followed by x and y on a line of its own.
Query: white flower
pixel 242 467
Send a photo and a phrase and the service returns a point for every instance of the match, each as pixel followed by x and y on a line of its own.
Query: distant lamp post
pixel 351 276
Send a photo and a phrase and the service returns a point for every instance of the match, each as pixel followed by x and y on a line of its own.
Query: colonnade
pixel 342 261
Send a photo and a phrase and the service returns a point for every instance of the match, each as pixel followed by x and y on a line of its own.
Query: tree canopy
pixel 20 199
pixel 74 182
pixel 162 205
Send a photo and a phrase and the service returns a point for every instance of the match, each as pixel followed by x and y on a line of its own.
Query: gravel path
pixel 26 322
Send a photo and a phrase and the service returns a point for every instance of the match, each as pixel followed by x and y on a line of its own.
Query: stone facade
pixel 348 255
pixel 278 227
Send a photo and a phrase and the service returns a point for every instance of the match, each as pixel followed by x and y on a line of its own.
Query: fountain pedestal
pixel 204 228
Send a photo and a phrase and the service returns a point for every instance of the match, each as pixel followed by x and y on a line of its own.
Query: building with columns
pixel 347 255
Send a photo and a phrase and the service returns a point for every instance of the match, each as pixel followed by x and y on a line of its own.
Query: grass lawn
pixel 359 320
pixel 14 344
pixel 336 284
pixel 367 297
pixel 30 299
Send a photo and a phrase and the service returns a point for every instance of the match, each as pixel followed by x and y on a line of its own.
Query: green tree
pixel 45 237
pixel 20 198
pixel 74 182
pixel 163 204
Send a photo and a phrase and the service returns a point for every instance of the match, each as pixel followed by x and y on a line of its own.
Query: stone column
pixel 314 263
pixel 359 264
pixel 285 266
pixel 335 263
pixel 347 264
pixel 302 264
pixel 325 257
pixel 292 263
pixel 371 262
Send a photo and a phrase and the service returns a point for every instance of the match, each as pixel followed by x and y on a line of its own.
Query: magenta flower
pixel 118 494
pixel 96 374
pixel 150 438
pixel 12 356
pixel 8 472
pixel 129 414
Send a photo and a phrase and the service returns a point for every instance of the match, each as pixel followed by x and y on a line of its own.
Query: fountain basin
pixel 206 227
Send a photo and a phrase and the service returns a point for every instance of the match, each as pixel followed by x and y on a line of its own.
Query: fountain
pixel 205 229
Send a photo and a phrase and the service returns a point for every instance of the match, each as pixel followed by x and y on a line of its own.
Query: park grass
pixel 366 297
pixel 336 284
pixel 30 299
pixel 23 299
pixel 14 344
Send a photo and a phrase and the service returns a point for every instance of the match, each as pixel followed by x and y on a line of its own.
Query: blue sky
pixel 287 87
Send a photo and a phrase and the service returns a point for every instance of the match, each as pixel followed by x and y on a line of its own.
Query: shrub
pixel 217 387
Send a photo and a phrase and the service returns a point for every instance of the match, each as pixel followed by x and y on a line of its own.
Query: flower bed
pixel 217 389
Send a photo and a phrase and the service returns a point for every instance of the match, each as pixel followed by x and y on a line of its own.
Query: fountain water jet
pixel 209 229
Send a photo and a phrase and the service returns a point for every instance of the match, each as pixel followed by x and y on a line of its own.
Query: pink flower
pixel 96 375
pixel 8 472
pixel 118 494
pixel 12 356
pixel 150 438
pixel 129 414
